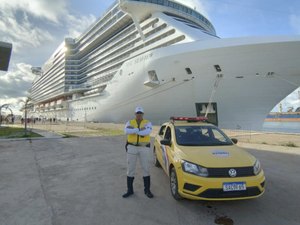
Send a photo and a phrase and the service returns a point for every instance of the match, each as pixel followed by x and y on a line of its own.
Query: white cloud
pixel 16 83
pixel 49 10
pixel 32 25
pixel 14 87
pixel 28 24
pixel 78 24
pixel 295 22
pixel 15 104
pixel 21 32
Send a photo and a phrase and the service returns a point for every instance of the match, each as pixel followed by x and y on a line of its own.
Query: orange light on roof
pixel 189 119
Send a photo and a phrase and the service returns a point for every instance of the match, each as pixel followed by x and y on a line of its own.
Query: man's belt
pixel 140 144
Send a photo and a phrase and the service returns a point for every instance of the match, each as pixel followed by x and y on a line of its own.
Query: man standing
pixel 138 146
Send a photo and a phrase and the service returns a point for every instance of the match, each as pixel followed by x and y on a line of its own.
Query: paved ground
pixel 79 181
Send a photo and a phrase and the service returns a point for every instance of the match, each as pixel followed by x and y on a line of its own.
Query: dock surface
pixel 80 181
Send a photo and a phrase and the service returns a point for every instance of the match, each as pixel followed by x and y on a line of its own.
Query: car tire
pixel 174 184
pixel 155 160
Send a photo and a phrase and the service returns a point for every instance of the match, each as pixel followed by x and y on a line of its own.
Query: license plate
pixel 234 186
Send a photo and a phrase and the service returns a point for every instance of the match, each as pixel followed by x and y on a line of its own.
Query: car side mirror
pixel 234 140
pixel 166 142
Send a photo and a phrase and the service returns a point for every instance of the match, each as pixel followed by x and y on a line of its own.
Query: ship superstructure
pixel 166 57
pixel 82 67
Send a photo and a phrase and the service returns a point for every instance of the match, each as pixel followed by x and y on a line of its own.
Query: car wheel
pixel 155 160
pixel 174 184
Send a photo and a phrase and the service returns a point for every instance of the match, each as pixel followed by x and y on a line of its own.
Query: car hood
pixel 217 156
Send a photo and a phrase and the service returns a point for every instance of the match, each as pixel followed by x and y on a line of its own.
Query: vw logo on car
pixel 232 172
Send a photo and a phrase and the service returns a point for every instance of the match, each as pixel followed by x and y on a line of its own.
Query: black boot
pixel 147 187
pixel 129 187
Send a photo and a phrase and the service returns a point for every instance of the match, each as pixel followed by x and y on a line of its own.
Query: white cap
pixel 139 109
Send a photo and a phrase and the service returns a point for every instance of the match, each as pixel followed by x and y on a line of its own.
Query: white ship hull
pixel 167 58
pixel 256 75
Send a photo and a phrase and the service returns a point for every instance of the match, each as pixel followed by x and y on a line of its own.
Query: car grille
pixel 224 172
pixel 219 193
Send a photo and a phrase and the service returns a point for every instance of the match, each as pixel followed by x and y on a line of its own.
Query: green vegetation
pixel 264 143
pixel 290 144
pixel 14 132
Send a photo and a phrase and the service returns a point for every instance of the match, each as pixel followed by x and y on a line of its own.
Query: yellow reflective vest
pixel 137 139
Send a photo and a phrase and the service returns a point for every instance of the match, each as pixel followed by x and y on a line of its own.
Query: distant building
pixel 5 52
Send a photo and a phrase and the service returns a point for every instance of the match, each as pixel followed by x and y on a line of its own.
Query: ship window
pixel 188 70
pixel 152 75
pixel 218 68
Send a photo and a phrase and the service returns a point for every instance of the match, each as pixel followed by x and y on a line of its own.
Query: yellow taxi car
pixel 203 163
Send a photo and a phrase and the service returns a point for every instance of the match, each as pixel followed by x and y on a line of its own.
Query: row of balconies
pixel 55 105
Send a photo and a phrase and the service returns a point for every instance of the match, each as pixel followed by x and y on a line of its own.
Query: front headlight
pixel 194 169
pixel 256 167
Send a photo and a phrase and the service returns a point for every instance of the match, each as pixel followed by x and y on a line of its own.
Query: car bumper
pixel 201 188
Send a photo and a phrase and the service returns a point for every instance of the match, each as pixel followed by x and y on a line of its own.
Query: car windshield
pixel 201 136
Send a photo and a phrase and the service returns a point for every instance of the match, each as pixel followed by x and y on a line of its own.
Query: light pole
pixel 25 113
pixel 26 107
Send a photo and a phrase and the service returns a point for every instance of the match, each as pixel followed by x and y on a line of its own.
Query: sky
pixel 37 27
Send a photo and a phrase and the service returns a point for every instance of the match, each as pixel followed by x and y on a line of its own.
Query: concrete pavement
pixel 80 181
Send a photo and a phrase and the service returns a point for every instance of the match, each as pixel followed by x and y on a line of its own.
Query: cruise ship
pixel 167 58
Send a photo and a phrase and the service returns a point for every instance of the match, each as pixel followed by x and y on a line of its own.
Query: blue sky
pixel 37 27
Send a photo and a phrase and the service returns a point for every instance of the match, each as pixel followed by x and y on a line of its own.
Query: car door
pixel 166 150
pixel 157 144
